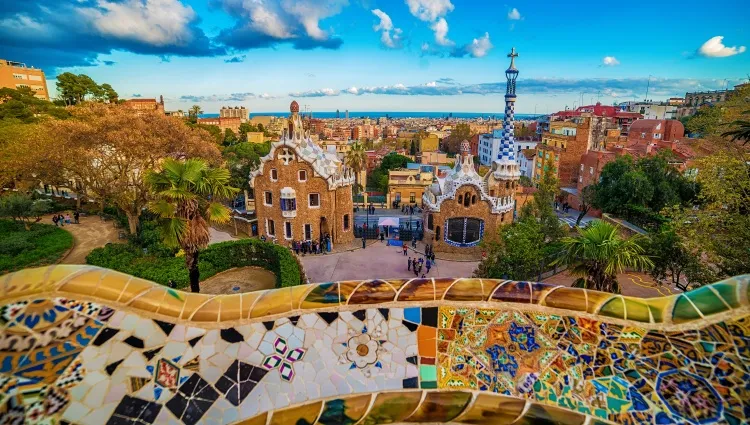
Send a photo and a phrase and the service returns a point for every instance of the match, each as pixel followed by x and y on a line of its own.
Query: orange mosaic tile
pixel 427 340
pixel 465 290
pixel 418 290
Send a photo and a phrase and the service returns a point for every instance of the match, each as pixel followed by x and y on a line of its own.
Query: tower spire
pixel 507 146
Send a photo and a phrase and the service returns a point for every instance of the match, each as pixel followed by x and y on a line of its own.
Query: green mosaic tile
pixel 684 311
pixel 613 308
pixel 728 291
pixel 706 301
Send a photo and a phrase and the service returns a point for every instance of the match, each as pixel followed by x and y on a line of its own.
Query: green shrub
pixel 214 259
pixel 41 245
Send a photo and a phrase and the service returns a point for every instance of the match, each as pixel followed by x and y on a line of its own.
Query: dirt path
pixel 91 233
pixel 242 279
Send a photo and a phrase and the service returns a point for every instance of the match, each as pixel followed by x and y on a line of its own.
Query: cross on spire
pixel 512 53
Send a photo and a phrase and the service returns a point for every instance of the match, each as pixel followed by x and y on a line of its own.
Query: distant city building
pixel 338 115
pixel 223 123
pixel 526 162
pixel 464 209
pixel 347 114
pixel 234 112
pixel 144 105
pixel 652 110
pixel 255 137
pixel 14 75
pixel 407 185
pixel 696 100
pixel 488 146
pixel 648 131
pixel 301 191
pixel 614 114
pixel 430 143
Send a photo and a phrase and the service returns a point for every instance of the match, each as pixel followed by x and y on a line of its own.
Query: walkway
pixel 377 261
pixel 243 279
pixel 633 284
pixel 217 236
pixel 91 233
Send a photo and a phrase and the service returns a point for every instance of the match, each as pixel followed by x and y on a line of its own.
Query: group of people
pixel 313 246
pixel 61 220
pixel 565 206
pixel 409 209
pixel 415 264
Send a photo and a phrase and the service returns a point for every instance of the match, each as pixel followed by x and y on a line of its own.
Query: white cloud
pixel 610 61
pixel 391 41
pixel 156 22
pixel 429 10
pixel 316 93
pixel 441 32
pixel 266 96
pixel 514 15
pixel 431 84
pixel 714 48
pixel 352 90
pixel 480 46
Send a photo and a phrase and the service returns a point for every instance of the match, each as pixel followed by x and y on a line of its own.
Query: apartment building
pixel 14 75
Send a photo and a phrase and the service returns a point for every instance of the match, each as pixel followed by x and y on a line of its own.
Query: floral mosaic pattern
pixel 67 361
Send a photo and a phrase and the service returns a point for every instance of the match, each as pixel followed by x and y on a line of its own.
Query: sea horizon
pixel 382 114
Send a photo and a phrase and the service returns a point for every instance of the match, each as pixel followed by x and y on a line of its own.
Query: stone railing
pixel 86 345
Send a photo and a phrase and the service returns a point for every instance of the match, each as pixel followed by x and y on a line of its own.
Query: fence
pixel 373 232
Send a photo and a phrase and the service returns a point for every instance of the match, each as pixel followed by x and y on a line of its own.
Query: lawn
pixel 20 248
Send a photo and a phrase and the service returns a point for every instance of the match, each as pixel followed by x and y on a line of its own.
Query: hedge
pixel 214 259
pixel 41 245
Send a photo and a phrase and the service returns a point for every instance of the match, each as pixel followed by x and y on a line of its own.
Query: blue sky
pixel 375 55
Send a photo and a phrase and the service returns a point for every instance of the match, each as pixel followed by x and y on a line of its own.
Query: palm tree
pixel 195 111
pixel 598 254
pixel 356 159
pixel 741 132
pixel 186 198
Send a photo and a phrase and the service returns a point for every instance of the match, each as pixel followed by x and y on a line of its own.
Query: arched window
pixel 460 198
pixel 464 231
pixel 430 224
pixel 467 199
pixel 473 199
pixel 346 221
pixel 437 233
pixel 507 185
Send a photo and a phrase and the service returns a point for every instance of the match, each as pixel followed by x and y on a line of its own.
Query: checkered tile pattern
pixel 507 149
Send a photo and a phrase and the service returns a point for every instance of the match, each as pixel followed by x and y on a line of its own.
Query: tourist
pixel 61 220
pixel 295 245
pixel 405 249
pixel 382 236
pixel 76 217
pixel 408 264
pixel 263 238
pixel 54 219
pixel 414 263
pixel 423 276
pixel 428 264
pixel 414 241
pixel 67 218
pixel 416 272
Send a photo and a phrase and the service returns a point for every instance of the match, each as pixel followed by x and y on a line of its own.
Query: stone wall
pixel 334 204
pixel 85 345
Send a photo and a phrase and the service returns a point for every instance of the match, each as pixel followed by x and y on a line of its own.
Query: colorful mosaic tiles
pixel 87 346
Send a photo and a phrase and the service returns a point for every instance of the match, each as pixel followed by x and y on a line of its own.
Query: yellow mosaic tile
pixel 304 414
pixel 465 290
pixel 491 409
pixel 273 302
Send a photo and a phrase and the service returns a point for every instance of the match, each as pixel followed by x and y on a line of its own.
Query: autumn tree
pixel 452 143
pixel 105 150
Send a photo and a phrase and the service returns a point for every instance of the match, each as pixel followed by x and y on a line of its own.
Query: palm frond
pixel 218 213
pixel 162 208
pixel 173 230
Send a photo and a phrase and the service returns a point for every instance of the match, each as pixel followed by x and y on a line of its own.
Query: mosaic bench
pixel 85 345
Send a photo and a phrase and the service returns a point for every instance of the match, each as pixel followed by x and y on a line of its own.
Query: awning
pixel 388 221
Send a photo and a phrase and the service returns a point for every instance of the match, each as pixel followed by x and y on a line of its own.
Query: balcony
pixel 96 346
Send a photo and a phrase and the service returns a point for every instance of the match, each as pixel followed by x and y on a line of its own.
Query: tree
pixel 413 148
pixel 73 89
pixel 109 93
pixel 542 208
pixel 519 253
pixel 705 122
pixel 356 159
pixel 717 228
pixel 673 261
pixel 741 130
pixel 598 254
pixel 394 161
pixel 229 137
pixel 194 112
pixel 452 143
pixel 187 197
pixel 587 196
pixel 242 158
pixel 23 209
pixel 105 150
pixel 21 104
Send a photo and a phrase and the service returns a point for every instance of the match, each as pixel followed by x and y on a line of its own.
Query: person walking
pixel 61 220
pixel 414 241
pixel 427 265
pixel 54 219
pixel 67 218
pixel 76 217
pixel 408 264
pixel 405 249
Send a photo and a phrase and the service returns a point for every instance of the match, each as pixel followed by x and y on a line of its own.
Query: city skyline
pixel 412 55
